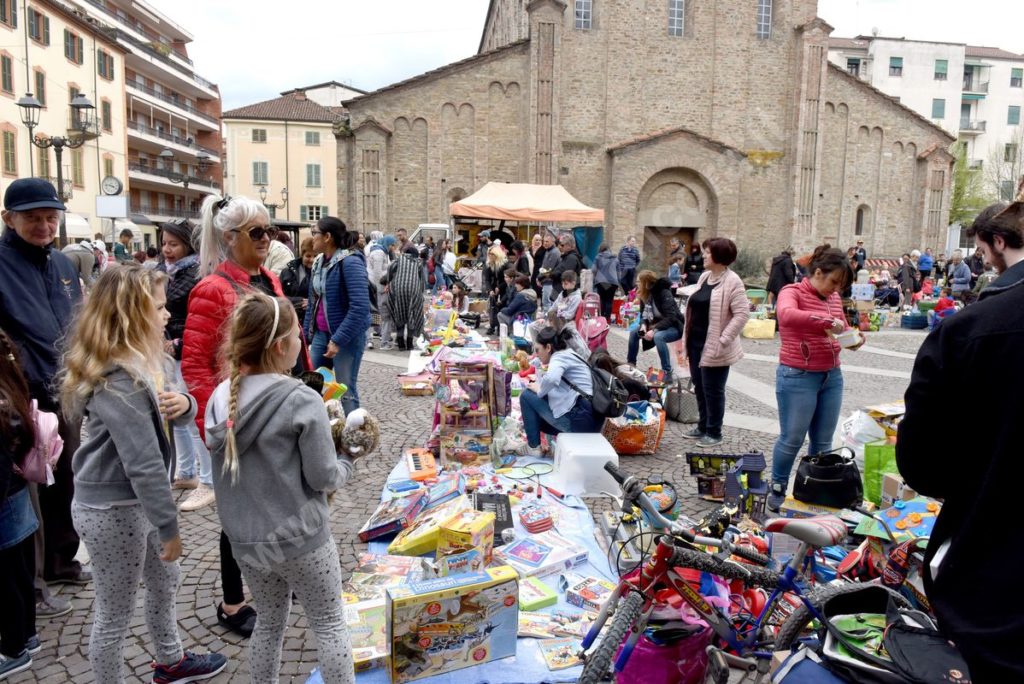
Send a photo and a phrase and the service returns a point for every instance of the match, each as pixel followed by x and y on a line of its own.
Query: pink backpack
pixel 39 462
pixel 594 332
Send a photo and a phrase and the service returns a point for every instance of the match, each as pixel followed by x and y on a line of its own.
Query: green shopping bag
pixel 879 459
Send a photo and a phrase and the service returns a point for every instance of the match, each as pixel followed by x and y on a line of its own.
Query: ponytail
pixel 828 259
pixel 218 216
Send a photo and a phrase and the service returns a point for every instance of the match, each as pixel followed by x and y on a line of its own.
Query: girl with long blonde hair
pixel 268 432
pixel 117 376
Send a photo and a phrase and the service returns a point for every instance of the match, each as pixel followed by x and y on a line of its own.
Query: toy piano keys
pixel 421 464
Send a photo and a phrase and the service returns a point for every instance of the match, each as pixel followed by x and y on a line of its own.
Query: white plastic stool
pixel 579 464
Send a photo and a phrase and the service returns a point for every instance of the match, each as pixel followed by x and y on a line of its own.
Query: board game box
pixel 534 594
pixel 367 628
pixel 421 536
pixel 465 447
pixel 449 623
pixel 542 554
pixel 589 593
pixel 393 515
pixel 499 505
pixel 466 530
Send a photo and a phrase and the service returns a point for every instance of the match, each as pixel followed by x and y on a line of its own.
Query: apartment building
pixel 53 53
pixel 171 114
pixel 976 93
pixel 284 151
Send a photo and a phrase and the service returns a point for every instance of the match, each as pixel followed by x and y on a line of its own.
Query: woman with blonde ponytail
pixel 268 432
pixel 234 240
pixel 118 377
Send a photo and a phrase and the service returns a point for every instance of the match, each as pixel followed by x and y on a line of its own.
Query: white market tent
pixel 525 202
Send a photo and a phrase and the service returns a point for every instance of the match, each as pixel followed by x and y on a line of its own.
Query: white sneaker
pixel 527 451
pixel 369 344
pixel 201 497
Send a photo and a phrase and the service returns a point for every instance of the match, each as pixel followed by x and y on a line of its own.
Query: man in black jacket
pixel 39 291
pixel 570 261
pixel 783 272
pixel 977 470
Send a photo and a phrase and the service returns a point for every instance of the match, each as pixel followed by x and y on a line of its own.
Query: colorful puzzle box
pixel 450 623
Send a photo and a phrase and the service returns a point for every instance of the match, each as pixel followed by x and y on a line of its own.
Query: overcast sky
pixel 254 49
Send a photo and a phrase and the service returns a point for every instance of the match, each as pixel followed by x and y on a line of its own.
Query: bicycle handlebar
pixel 613 469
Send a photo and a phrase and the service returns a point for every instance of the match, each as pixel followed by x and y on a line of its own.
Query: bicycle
pixel 634 599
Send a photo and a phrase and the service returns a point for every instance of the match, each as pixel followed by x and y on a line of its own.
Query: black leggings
pixel 17 576
pixel 606 291
pixel 709 387
pixel 230 573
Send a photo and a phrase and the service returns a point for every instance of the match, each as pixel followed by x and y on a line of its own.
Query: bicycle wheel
pixel 801 618
pixel 698 560
pixel 597 667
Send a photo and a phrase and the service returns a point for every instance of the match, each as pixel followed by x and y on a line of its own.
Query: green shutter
pixel 46 30
pixel 941 67
pixel 1013 115
pixel 938 109
pixel 896 62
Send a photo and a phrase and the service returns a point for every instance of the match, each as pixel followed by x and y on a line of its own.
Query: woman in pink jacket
pixel 715 315
pixel 808 381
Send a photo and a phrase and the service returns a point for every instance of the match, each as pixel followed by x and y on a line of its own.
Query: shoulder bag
pixel 610 396
pixel 829 479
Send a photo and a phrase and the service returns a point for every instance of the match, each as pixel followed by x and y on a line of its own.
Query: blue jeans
pixel 317 347
pixel 345 364
pixel 17 519
pixel 809 401
pixel 545 299
pixel 662 338
pixel 537 417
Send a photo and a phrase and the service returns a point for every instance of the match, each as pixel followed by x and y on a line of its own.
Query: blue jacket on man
pixel 39 289
pixel 961 277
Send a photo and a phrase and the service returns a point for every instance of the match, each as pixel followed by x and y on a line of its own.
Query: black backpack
pixel 610 396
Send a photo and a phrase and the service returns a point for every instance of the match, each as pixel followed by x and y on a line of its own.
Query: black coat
pixel 570 261
pixel 783 272
pixel 665 301
pixel 538 262
pixel 295 280
pixel 693 267
pixel 973 361
pixel 179 287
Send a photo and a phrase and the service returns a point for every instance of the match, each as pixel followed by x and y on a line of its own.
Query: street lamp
pixel 202 164
pixel 79 131
pixel 273 207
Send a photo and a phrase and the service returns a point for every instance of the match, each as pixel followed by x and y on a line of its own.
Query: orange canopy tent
pixel 525 202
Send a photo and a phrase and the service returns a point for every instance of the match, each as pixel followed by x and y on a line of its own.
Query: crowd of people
pixel 179 366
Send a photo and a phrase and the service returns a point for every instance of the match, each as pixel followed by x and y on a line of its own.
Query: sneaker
pixel 241 623
pixel 201 497
pixel 369 344
pixel 695 433
pixel 33 645
pixel 185 483
pixel 387 346
pixel 81 578
pixel 54 606
pixel 775 498
pixel 526 450
pixel 10 666
pixel 707 441
pixel 191 668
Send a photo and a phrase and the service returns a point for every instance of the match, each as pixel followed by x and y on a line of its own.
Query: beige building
pixel 676 117
pixel 55 54
pixel 288 147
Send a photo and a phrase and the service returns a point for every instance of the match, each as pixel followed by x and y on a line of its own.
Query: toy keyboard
pixel 421 464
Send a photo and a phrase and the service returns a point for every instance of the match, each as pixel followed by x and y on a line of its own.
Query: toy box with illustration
pixel 470 560
pixel 421 536
pixel 588 593
pixel 534 594
pixel 449 623
pixel 381 564
pixel 464 531
pixel 560 653
pixel 499 505
pixel 367 628
pixel 393 515
pixel 791 508
pixel 461 448
pixel 447 488
pixel 542 554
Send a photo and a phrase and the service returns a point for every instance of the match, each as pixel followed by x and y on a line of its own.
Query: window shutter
pixel 46 30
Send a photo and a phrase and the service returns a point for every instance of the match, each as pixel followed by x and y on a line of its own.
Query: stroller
pixel 592 326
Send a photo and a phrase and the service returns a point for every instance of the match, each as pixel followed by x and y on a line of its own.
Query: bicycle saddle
pixel 821 530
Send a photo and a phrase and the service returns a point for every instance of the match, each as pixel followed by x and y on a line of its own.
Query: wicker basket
pixel 634 440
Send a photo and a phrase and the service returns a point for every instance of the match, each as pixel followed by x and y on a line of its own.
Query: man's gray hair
pixel 568 239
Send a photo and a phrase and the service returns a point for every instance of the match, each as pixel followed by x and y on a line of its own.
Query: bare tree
pixel 1005 166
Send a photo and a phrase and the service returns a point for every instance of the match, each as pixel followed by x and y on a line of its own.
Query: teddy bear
pixel 354 436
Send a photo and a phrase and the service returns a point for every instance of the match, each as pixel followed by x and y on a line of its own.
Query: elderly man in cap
pixel 39 291
pixel 860 254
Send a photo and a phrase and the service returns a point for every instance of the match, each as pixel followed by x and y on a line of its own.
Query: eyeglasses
pixel 316 232
pixel 256 233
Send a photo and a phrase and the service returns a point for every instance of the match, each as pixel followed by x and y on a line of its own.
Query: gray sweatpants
pixel 316 580
pixel 124 548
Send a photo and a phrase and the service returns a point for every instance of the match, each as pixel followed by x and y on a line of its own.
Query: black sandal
pixel 242 623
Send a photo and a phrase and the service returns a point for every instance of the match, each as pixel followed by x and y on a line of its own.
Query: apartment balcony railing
pixel 171 101
pixel 149 209
pixel 970 86
pixel 187 142
pixel 171 176
pixel 971 126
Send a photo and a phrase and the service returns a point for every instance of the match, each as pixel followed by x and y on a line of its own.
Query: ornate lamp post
pixel 273 207
pixel 202 164
pixel 79 131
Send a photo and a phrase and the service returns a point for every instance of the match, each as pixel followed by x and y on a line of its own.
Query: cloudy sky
pixel 255 49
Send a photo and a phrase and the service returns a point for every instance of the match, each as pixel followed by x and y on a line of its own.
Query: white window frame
pixel 312 212
pixel 676 18
pixel 261 173
pixel 313 136
pixel 764 19
pixel 583 15
pixel 313 176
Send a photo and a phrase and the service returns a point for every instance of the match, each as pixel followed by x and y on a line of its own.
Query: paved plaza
pixel 878 372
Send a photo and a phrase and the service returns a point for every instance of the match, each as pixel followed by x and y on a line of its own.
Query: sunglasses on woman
pixel 256 233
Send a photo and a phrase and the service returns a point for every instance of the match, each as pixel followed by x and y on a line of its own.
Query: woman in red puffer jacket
pixel 808 381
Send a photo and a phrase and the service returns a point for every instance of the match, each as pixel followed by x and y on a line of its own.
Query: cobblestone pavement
pixel 751 423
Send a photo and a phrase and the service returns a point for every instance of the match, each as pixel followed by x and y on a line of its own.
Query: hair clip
pixel 10 357
pixel 230 424
pixel 222 202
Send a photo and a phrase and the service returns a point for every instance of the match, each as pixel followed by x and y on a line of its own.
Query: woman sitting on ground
pixel 559 401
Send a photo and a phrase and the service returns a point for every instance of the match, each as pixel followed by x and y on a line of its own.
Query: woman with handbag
pixel 808 381
pixel 715 315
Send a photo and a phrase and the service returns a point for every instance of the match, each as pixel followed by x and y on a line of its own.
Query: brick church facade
pixel 684 117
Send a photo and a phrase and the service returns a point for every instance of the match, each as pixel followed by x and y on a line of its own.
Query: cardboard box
pixel 542 554
pixel 866 307
pixel 534 594
pixel 478 306
pixel 421 536
pixel 461 448
pixel 450 623
pixel 791 508
pixel 589 593
pixel 895 489
pixel 393 515
pixel 464 532
pixel 367 628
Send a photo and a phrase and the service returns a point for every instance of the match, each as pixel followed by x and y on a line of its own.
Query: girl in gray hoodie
pixel 274 463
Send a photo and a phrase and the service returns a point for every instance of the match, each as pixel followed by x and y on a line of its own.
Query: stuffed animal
pixel 523 359
pixel 354 436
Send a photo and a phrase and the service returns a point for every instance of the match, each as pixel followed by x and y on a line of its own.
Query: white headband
pixel 277 319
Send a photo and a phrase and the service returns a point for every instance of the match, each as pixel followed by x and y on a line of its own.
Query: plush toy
pixel 523 359
pixel 354 436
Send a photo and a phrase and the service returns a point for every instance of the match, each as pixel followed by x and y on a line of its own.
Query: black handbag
pixel 829 479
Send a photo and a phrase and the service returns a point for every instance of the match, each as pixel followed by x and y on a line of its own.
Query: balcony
pixel 174 102
pixel 162 176
pixel 974 89
pixel 150 211
pixel 167 57
pixel 972 127
pixel 186 145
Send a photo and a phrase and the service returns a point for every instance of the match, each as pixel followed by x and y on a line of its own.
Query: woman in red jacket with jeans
pixel 808 381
